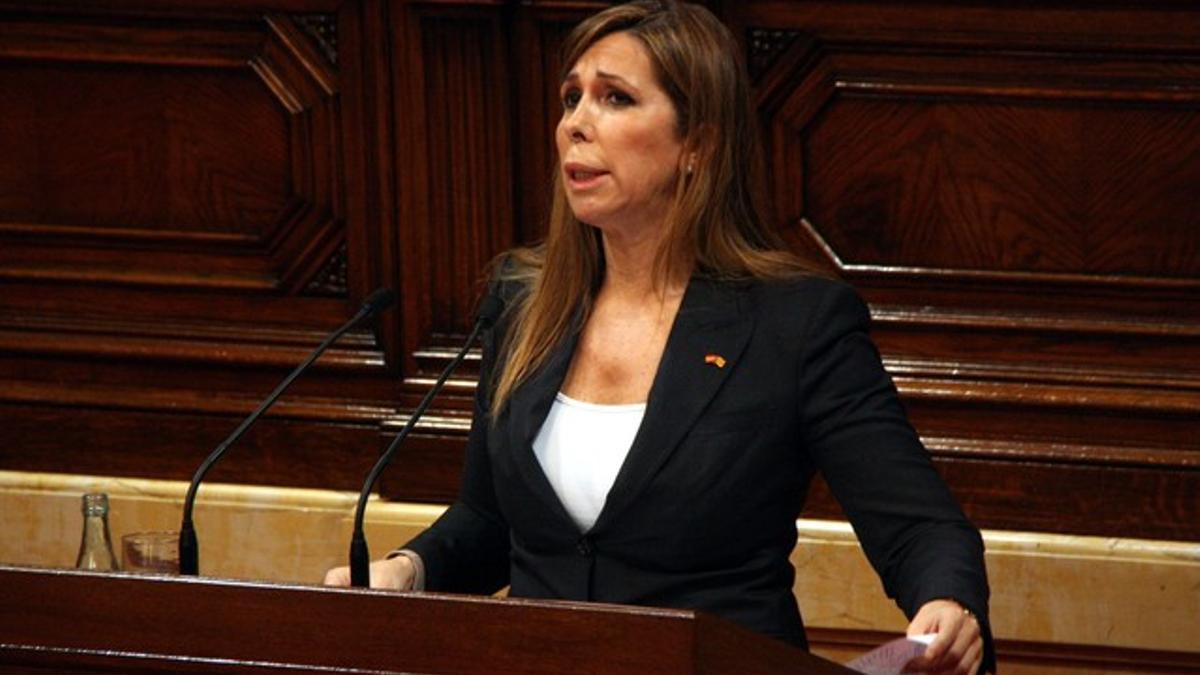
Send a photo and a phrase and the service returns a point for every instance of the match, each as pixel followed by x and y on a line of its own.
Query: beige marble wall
pixel 245 532
pixel 1046 588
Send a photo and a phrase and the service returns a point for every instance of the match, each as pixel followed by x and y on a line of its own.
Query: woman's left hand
pixel 958 647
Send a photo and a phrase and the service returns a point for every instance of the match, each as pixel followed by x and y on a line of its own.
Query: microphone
pixel 189 548
pixel 360 572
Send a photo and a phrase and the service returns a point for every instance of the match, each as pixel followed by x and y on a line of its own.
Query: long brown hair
pixel 715 225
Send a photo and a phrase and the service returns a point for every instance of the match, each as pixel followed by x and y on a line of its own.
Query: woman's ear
pixel 700 147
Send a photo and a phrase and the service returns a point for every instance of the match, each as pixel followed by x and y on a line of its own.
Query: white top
pixel 581 446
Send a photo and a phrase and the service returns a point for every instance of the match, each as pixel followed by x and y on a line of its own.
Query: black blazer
pixel 703 511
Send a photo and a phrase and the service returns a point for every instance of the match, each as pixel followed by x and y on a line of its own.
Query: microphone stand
pixel 360 574
pixel 189 547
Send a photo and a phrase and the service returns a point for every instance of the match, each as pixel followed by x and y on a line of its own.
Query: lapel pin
pixel 715 360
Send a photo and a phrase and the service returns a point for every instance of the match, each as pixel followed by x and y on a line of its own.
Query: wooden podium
pixel 71 621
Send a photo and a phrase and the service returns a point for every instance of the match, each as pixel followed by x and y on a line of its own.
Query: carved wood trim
pixel 249 10
pixel 1108 25
pixel 109 40
pixel 177 399
pixel 1049 452
pixel 764 46
pixel 331 279
pixel 323 30
pixel 69 340
pixel 959 275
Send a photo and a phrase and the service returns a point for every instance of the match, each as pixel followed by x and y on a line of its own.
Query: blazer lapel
pixel 527 410
pixel 705 343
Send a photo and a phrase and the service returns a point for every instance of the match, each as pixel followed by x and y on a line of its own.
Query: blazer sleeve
pixel 910 526
pixel 466 550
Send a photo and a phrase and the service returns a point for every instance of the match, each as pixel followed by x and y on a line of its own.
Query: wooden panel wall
pixel 1010 188
pixel 177 187
pixel 193 191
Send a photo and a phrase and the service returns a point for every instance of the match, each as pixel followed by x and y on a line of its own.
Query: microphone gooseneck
pixel 379 300
pixel 360 570
pixel 189 547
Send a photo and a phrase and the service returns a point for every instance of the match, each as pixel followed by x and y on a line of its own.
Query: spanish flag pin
pixel 715 360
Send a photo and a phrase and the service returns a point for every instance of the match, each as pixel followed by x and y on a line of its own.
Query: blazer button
pixel 584 546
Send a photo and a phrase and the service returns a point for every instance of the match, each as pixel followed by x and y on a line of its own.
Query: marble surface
pixel 245 532
pixel 1045 588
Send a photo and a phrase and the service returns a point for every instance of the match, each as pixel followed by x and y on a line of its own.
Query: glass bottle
pixel 95 550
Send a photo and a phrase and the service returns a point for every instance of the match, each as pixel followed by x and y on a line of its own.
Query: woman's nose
pixel 579 126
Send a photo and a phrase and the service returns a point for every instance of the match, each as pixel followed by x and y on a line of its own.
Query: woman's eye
pixel 619 98
pixel 572 97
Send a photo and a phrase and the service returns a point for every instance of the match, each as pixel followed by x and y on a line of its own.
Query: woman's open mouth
pixel 582 178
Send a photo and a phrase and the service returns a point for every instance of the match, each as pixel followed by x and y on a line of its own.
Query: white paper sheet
pixel 890 657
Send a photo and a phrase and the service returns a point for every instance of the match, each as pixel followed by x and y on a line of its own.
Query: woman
pixel 666 379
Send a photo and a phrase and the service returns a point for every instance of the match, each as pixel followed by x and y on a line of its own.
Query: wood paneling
pixel 193 192
pixel 468 127
pixel 540 31
pixel 174 200
pixel 269 627
pixel 153 167
pixel 1015 209
pixel 211 149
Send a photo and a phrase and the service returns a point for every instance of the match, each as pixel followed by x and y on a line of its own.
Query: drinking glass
pixel 156 552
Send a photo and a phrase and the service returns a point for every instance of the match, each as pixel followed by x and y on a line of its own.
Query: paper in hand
pixel 891 657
